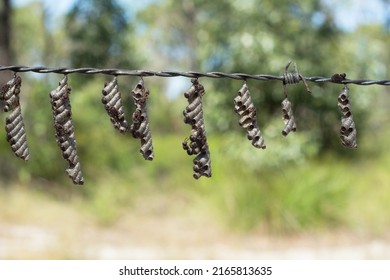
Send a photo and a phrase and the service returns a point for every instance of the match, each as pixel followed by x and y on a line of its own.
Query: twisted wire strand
pixel 188 74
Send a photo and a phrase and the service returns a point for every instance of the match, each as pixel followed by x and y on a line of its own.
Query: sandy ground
pixel 33 227
pixel 177 239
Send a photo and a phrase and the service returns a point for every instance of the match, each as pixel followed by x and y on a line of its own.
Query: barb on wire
pixel 188 74
pixel 293 78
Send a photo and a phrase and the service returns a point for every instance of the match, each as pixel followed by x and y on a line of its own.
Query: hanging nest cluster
pixel 112 102
pixel 288 117
pixel 14 125
pixel 140 126
pixel 244 107
pixel 196 144
pixel 347 130
pixel 64 130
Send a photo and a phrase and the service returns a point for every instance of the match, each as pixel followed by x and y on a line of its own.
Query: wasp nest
pixel 246 110
pixel 347 130
pixel 197 142
pixel 113 103
pixel 140 126
pixel 288 118
pixel 14 125
pixel 64 130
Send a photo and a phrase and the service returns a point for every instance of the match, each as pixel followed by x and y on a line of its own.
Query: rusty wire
pixel 336 78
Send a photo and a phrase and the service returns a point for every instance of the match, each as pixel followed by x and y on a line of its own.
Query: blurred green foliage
pixel 99 35
pixel 302 181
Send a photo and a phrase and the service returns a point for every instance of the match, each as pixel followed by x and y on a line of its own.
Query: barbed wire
pixel 196 143
pixel 336 78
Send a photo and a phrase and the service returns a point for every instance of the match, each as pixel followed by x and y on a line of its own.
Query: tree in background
pixel 5 59
pixel 99 33
pixel 5 34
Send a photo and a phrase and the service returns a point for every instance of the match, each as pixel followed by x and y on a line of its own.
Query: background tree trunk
pixel 5 37
pixel 5 59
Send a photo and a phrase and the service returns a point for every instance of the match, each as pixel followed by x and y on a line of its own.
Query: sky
pixel 60 7
pixel 349 14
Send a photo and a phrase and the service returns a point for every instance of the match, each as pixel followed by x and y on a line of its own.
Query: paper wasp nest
pixel 197 142
pixel 246 110
pixel 140 126
pixel 288 118
pixel 14 125
pixel 113 104
pixel 64 130
pixel 347 130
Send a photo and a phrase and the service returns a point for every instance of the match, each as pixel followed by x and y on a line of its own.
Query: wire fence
pixel 196 143
pixel 335 78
